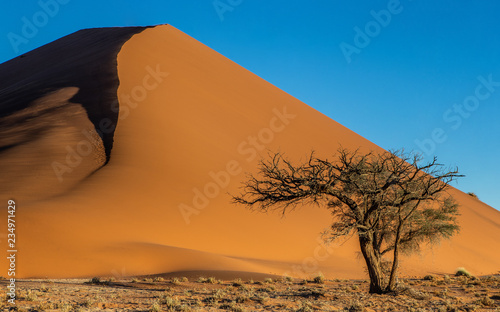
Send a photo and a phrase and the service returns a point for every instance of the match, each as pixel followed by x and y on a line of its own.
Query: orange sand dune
pixel 191 123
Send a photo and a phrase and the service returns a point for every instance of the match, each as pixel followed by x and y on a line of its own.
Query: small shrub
pixel 155 307
pixel 31 296
pixel 44 288
pixel 308 292
pixel 305 306
pixel 355 306
pixel 446 279
pixel 415 294
pixel 443 293
pixel 462 272
pixel 44 306
pixel 473 195
pixel 63 306
pixel 148 280
pixel 88 302
pixel 184 279
pixel 486 301
pixel 95 280
pixel 175 281
pixel 268 280
pixel 233 307
pixel 429 278
pixel 211 280
pixel 237 282
pixel 241 299
pixel 99 299
pixel 470 307
pixel 319 279
pixel 201 279
pixel 474 281
pixel 215 297
pixel 135 280
pixel 261 299
pixel 219 294
pixel 171 303
pixel 159 279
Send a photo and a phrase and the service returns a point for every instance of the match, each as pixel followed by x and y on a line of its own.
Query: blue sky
pixel 421 74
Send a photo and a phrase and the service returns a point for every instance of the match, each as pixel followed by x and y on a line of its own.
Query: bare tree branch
pixel 393 201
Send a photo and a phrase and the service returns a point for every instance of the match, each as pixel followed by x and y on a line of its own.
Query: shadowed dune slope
pixel 58 103
pixel 191 123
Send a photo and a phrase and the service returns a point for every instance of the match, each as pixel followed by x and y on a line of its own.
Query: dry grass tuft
pixel 319 279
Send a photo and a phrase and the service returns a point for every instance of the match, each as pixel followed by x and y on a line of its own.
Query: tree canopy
pixel 392 201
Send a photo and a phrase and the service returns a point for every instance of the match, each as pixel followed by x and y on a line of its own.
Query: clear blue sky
pixel 419 67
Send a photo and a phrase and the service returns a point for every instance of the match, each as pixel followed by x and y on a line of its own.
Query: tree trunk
pixel 391 286
pixel 372 264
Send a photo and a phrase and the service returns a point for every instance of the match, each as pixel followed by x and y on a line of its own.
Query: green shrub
pixel 462 272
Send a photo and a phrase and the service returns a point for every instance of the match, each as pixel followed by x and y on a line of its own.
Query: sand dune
pixel 190 124
pixel 56 101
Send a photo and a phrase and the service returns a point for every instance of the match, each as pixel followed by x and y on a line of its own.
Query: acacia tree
pixel 392 201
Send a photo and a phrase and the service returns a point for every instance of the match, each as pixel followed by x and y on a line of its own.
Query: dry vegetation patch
pixel 439 293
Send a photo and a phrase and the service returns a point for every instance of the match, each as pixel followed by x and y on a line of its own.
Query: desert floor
pixel 432 293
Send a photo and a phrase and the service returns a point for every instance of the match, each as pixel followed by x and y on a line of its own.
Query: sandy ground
pixel 206 293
